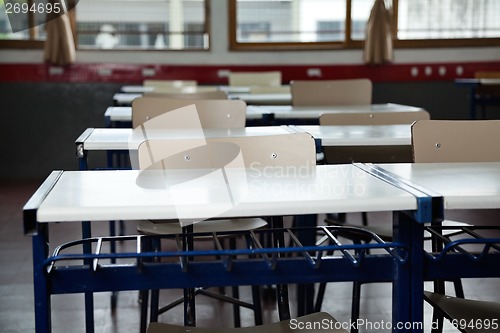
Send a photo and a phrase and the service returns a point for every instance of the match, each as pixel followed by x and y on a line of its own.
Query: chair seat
pixel 299 325
pixel 173 227
pixel 466 311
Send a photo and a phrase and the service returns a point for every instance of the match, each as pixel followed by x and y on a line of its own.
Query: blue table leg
pixel 41 288
pixel 408 287
pixel 305 292
pixel 89 297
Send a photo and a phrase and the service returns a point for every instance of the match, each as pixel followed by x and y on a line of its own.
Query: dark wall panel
pixel 40 121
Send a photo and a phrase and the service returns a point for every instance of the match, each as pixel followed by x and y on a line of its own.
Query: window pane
pixel 23 23
pixel 360 12
pixel 145 24
pixel 443 19
pixel 290 21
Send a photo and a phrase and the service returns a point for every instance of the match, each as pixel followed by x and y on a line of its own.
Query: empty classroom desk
pixel 76 196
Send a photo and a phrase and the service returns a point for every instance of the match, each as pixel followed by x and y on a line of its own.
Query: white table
pixel 75 196
pixel 460 186
pixel 263 98
pixel 314 112
pixel 243 93
pixel 283 113
pixel 359 135
pixel 139 89
pixel 423 190
pixel 463 185
pixel 127 139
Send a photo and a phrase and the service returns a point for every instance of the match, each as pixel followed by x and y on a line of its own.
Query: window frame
pixel 33 43
pixel 349 43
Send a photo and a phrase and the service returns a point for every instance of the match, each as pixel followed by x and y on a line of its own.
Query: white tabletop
pixel 463 185
pixel 124 113
pixel 125 98
pixel 138 89
pixel 114 195
pixel 369 135
pixel 127 138
pixel 119 113
pixel 274 99
pixel 314 112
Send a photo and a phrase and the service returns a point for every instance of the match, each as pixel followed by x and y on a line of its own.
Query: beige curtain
pixel 59 45
pixel 378 44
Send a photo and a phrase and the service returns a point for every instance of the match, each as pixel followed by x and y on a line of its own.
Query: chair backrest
pixel 379 118
pixel 212 113
pixel 188 94
pixel 456 141
pixel 331 92
pixel 294 149
pixel 246 79
pixel 169 83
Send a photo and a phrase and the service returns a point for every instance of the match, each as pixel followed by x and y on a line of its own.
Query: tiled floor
pixel 16 290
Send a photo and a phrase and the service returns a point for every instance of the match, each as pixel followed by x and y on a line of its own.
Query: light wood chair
pixel 266 151
pixel 198 93
pixel 212 113
pixel 456 141
pixel 465 312
pixel 312 323
pixel 247 79
pixel 331 92
pixel 453 141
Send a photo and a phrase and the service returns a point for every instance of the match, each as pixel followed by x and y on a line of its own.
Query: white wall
pixel 219 53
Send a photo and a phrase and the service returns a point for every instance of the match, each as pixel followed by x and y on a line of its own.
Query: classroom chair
pixel 470 316
pixel 435 141
pixel 216 113
pixel 449 141
pixel 247 79
pixel 298 325
pixel 331 92
pixel 209 114
pixel 267 150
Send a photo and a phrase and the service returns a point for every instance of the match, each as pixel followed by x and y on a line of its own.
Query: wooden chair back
pixel 246 79
pixel 382 118
pixel 212 113
pixel 456 141
pixel 294 149
pixel 331 92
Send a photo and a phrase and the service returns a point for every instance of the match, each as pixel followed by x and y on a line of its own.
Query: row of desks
pixel 125 99
pixel 417 193
pixel 265 114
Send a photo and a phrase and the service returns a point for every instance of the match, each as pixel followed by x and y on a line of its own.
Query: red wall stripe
pixel 209 74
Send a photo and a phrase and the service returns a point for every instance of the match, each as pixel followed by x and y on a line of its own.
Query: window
pixel 328 24
pixel 145 24
pixel 117 24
